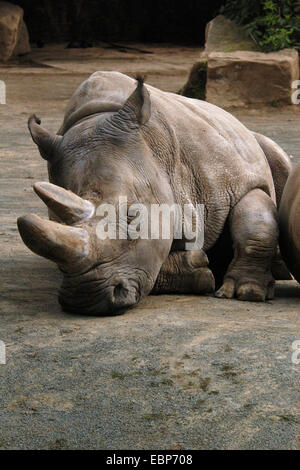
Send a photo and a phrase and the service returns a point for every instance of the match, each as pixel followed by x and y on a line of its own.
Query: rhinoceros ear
pixel 46 142
pixel 138 105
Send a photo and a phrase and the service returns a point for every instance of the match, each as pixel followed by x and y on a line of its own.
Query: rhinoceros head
pixel 98 160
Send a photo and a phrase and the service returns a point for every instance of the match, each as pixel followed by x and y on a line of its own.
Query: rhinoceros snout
pixel 123 294
pixel 109 301
pixel 105 290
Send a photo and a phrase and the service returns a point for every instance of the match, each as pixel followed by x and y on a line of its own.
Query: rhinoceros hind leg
pixel 254 232
pixel 289 223
pixel 185 272
pixel 279 268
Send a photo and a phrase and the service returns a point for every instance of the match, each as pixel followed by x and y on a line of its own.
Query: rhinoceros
pixel 289 222
pixel 122 137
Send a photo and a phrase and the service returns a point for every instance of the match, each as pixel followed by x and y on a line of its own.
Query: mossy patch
pixel 196 84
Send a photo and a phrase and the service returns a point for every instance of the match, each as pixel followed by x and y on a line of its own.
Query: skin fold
pixel 121 137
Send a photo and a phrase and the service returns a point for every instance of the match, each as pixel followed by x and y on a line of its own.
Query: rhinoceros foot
pixel 254 231
pixel 185 272
pixel 244 289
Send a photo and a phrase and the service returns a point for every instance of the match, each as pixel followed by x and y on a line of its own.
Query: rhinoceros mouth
pixel 94 298
pixel 97 304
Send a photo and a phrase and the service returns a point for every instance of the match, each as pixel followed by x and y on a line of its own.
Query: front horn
pixel 42 138
pixel 69 207
pixel 60 243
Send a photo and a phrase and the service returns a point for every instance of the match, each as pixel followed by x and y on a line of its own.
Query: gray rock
pixel 14 37
pixel 22 46
pixel 244 78
pixel 223 35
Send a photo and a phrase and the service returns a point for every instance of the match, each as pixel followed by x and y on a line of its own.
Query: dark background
pixel 118 20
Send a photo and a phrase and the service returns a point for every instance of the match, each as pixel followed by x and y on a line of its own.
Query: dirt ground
pixel 177 372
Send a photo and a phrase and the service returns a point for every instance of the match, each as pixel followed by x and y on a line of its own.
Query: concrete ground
pixel 177 372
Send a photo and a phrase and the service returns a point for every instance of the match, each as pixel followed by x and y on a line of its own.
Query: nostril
pixel 120 292
pixel 124 295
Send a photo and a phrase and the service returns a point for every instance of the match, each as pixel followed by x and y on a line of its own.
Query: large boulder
pixel 244 78
pixel 23 45
pixel 223 35
pixel 14 39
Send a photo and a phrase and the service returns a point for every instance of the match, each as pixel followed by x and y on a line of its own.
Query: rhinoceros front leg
pixel 185 272
pixel 254 231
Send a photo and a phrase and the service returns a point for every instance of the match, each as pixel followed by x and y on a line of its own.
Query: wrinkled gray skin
pixel 123 138
pixel 289 222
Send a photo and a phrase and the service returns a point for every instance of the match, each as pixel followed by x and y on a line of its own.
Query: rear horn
pixel 69 207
